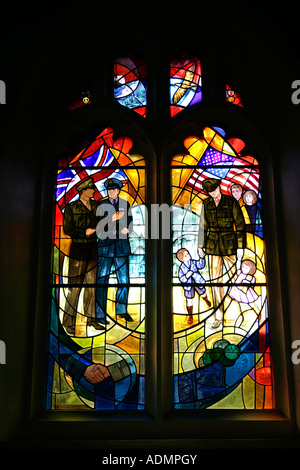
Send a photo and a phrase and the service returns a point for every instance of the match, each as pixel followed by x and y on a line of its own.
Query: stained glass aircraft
pixel 185 83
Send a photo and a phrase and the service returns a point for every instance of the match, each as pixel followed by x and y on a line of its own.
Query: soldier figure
pixel 80 224
pixel 221 237
pixel 114 248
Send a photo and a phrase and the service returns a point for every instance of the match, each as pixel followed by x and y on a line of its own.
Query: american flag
pixel 228 169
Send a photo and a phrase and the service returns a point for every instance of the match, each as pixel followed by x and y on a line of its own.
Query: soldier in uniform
pixel 221 237
pixel 114 248
pixel 79 223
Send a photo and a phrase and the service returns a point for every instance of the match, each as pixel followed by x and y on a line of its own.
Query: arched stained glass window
pixel 97 318
pixel 130 83
pixel 221 349
pixel 185 83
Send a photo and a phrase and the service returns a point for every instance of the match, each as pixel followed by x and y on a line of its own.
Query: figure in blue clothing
pixel 191 280
pixel 113 249
pixel 252 213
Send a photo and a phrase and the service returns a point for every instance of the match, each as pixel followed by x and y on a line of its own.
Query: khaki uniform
pixel 82 259
pixel 221 233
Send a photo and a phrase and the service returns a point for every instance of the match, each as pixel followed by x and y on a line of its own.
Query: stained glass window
pixel 185 83
pixel 233 97
pixel 221 344
pixel 96 354
pixel 81 100
pixel 130 83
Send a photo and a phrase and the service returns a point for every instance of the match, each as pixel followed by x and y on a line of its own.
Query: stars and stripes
pixel 229 169
pixel 213 157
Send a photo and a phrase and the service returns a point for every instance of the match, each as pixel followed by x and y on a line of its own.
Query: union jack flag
pixel 98 162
